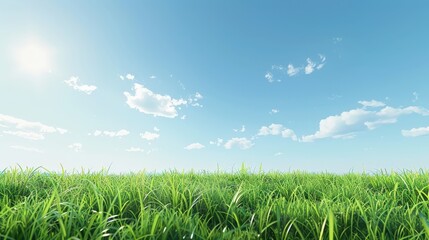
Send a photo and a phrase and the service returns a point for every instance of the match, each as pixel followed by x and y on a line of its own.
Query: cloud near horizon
pixel 195 146
pixel 241 143
pixel 27 129
pixel 348 123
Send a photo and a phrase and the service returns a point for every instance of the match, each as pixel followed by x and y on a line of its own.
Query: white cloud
pixel 198 95
pixel 348 123
pixel 120 133
pixel 277 129
pixel 27 149
pixel 274 111
pixel 278 154
pixel 415 132
pixel 26 135
pixel 309 68
pixel 152 77
pixel 242 143
pixel 194 146
pixel 26 129
pixel 121 77
pixel 77 147
pixel 129 76
pixel 183 117
pixel 292 71
pixel 217 142
pixel 242 129
pixel 322 62
pixel 73 82
pixel 152 103
pixel 269 77
pixel 134 149
pixel 156 129
pixel 149 136
pixel 372 103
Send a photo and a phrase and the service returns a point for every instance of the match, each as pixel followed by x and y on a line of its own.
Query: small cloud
pixel 337 40
pixel 278 154
pixel 152 77
pixel 277 129
pixel 73 82
pixel 292 71
pixel 183 117
pixel 77 147
pixel 274 111
pixel 322 62
pixel 309 68
pixel 416 96
pixel 120 133
pixel 198 95
pixel 241 143
pixel 242 129
pixel 194 146
pixel 156 129
pixel 269 76
pixel 129 76
pixel 415 132
pixel 148 102
pixel 217 142
pixel 134 149
pixel 27 149
pixel 121 77
pixel 26 135
pixel 372 103
pixel 149 136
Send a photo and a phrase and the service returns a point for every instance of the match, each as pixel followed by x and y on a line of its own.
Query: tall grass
pixel 173 205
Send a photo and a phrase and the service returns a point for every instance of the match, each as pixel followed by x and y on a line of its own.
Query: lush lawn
pixel 175 205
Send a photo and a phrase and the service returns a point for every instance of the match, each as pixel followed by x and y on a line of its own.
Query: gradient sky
pixel 333 86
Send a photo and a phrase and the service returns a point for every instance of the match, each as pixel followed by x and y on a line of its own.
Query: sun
pixel 33 58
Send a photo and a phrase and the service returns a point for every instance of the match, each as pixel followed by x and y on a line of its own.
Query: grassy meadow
pixel 243 205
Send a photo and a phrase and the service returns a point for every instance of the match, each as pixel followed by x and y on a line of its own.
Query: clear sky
pixel 333 86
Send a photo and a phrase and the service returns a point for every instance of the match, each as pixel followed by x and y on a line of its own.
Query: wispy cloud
pixel 416 96
pixel 277 129
pixel 278 154
pixel 218 142
pixel 120 133
pixel 148 102
pixel 194 146
pixel 27 149
pixel 241 143
pixel 149 136
pixel 346 124
pixel 274 111
pixel 129 76
pixel 152 77
pixel 134 149
pixel 336 40
pixel 73 82
pixel 242 129
pixel 293 70
pixel 372 103
pixel 415 132
pixel 77 147
pixel 27 129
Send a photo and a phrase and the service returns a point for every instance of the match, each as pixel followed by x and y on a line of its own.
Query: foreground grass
pixel 174 205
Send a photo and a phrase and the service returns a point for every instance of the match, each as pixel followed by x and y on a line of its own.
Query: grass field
pixel 173 205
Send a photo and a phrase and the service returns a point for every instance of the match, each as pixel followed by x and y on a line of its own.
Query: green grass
pixel 173 205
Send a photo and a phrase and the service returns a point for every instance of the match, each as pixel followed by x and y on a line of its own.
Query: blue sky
pixel 333 86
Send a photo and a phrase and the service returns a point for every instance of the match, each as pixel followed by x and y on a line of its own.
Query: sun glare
pixel 33 58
